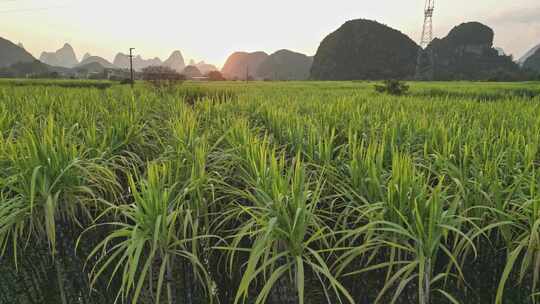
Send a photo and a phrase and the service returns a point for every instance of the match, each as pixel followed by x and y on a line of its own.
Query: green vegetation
pixel 533 62
pixel 365 49
pixel 467 53
pixel 285 65
pixel 267 192
pixel 392 87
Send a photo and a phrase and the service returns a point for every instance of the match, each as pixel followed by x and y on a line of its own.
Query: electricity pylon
pixel 425 63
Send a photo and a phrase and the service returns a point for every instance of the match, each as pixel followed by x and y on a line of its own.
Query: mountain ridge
pixel 285 65
pixel 87 59
pixel 529 53
pixel 242 64
pixel 467 53
pixel 365 49
pixel 63 57
pixel 12 53
pixel 175 61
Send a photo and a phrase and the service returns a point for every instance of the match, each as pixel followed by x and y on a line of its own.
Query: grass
pixel 268 192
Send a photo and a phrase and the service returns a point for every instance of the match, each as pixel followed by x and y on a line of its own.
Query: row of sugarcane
pixel 272 195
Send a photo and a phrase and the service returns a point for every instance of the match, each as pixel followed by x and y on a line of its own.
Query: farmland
pixel 268 192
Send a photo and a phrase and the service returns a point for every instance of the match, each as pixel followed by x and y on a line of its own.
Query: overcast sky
pixel 212 29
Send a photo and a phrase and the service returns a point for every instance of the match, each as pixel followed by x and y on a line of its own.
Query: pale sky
pixel 210 30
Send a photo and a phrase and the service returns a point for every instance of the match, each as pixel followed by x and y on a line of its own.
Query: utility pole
pixel 131 66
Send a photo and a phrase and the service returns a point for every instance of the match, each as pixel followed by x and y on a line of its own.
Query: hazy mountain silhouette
pixel 205 68
pixel 64 57
pixel 240 64
pixel 365 49
pixel 529 53
pixel 96 59
pixel 175 61
pixel 122 61
pixel 191 71
pixel 285 65
pixel 467 53
pixel 11 53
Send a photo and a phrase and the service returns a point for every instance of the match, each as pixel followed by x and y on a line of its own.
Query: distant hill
pixel 11 53
pixel 63 57
pixel 191 71
pixel 365 49
pixel 467 53
pixel 121 60
pixel 175 61
pixel 241 63
pixel 533 61
pixel 285 65
pixel 90 67
pixel 96 59
pixel 529 53
pixel 205 68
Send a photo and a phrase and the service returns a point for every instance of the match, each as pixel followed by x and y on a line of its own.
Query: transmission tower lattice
pixel 425 63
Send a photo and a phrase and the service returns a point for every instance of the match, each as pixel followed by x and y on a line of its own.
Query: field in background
pixel 432 197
